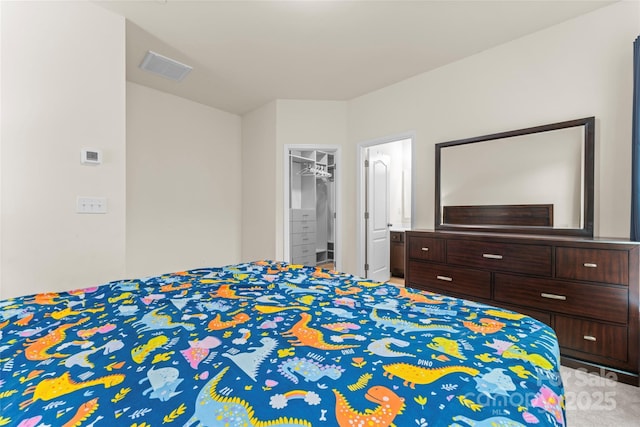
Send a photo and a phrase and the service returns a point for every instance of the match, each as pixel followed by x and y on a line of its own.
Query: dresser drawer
pixel 517 258
pixel 426 248
pixel 303 250
pixel 303 226
pixel 450 279
pixel 303 214
pixel 578 299
pixel 298 239
pixel 594 265
pixel 593 338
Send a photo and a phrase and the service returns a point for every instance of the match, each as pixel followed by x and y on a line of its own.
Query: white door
pixel 378 247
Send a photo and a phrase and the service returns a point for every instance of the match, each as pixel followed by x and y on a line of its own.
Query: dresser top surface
pixel 516 238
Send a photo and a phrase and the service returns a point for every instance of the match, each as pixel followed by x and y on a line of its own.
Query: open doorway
pixel 311 222
pixel 385 193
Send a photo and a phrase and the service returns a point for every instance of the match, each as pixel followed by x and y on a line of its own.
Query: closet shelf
pixel 299 159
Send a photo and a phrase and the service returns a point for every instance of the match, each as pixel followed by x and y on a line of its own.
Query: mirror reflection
pixel 515 176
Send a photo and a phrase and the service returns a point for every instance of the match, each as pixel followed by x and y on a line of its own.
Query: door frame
pixel 361 232
pixel 337 244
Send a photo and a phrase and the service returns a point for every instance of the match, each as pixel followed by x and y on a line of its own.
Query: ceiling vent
pixel 165 67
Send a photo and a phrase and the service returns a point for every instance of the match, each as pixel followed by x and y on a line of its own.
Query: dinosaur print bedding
pixel 271 344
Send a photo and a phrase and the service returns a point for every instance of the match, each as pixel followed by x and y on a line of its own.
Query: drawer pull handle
pixel 445 278
pixel 425 249
pixel 590 338
pixel 492 256
pixel 553 296
pixel 590 265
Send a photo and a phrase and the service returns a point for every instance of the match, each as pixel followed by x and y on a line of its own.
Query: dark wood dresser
pixel 586 289
pixel 396 253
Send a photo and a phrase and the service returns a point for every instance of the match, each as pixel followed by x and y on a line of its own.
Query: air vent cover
pixel 165 67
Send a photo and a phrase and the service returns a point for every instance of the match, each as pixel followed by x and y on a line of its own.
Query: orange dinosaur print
pixel 37 349
pixel 225 291
pixel 352 290
pixel 319 273
pixel 217 324
pixel 389 406
pixel 486 326
pixel 24 321
pixel 404 293
pixel 310 337
pixel 84 411
pixel 170 287
pixel 48 298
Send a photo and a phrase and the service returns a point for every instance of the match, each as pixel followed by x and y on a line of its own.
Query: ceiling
pixel 245 54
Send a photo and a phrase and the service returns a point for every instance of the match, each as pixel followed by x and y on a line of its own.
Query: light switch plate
pixel 91 205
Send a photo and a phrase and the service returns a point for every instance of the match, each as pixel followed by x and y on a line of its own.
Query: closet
pixel 312 207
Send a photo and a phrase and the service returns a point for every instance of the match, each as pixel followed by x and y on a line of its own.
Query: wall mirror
pixel 537 180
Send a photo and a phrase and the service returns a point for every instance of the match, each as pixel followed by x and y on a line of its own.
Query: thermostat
pixel 90 156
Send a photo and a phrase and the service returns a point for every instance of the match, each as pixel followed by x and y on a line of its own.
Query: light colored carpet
pixel 594 401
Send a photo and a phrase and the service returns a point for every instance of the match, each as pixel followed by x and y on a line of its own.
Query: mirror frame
pixel 588 196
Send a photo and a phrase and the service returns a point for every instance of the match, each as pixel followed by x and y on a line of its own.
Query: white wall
pixel 259 191
pixel 576 69
pixel 265 132
pixel 319 124
pixel 60 93
pixel 184 184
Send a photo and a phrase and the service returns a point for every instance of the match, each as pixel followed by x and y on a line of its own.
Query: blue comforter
pixel 271 344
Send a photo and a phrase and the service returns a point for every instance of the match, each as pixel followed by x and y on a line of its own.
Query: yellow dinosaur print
pixel 139 353
pixel 306 299
pixel 369 284
pixel 504 314
pixel 486 357
pixel 53 388
pixel 310 337
pixel 389 406
pixel 521 372
pixel 413 374
pixel 269 309
pixel 515 352
pixel 61 314
pixel 122 296
pixel 446 346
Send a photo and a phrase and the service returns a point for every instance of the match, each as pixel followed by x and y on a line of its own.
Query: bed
pixel 272 344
